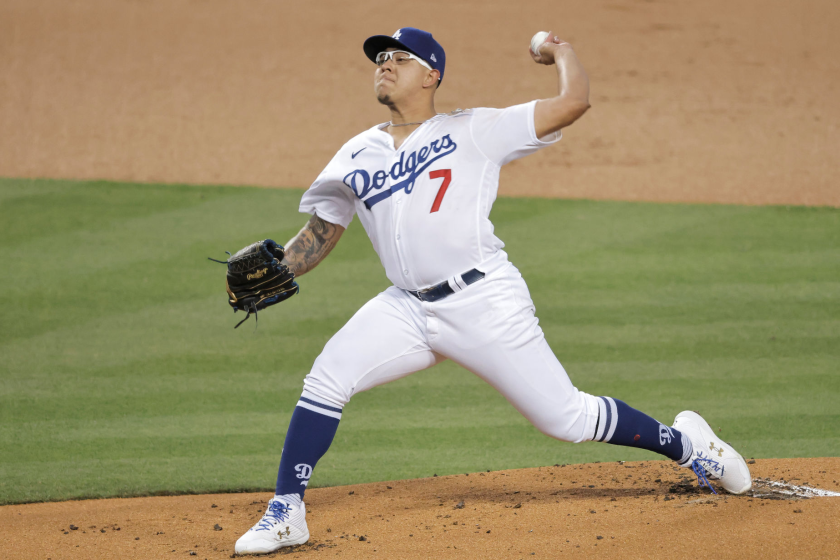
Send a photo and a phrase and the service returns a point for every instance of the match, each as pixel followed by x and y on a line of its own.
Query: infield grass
pixel 121 374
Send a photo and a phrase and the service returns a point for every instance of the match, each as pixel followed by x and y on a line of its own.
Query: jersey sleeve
pixel 504 135
pixel 330 198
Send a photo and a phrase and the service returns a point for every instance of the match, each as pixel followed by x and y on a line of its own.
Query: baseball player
pixel 422 186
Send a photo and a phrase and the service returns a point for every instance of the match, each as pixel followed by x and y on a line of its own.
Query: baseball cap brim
pixel 378 43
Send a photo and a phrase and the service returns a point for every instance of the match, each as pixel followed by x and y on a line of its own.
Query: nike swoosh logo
pixel 357 153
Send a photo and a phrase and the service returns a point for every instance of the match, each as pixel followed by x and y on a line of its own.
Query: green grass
pixel 121 374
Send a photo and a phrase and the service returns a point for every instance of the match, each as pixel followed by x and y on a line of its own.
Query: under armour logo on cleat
pixel 718 449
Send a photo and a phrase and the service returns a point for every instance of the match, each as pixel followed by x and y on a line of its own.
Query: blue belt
pixel 442 290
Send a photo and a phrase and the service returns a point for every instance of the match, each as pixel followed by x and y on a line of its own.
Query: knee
pixel 324 381
pixel 574 422
pixel 560 429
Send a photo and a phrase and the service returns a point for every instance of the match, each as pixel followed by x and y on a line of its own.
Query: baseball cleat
pixel 283 525
pixel 712 457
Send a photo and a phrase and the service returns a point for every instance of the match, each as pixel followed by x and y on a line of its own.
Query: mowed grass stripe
pixel 122 375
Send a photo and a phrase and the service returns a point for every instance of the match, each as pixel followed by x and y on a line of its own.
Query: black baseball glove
pixel 256 279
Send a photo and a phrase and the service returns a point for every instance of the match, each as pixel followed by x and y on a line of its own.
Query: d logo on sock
pixel 305 471
pixel 665 434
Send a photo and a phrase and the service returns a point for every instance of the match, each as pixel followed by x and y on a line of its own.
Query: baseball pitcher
pixel 423 185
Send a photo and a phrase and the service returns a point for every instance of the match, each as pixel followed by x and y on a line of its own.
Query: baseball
pixel 538 40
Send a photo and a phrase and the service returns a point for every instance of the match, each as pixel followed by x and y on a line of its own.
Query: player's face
pixel 398 78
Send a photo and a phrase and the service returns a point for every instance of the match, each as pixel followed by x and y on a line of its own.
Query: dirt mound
pixel 691 101
pixel 602 510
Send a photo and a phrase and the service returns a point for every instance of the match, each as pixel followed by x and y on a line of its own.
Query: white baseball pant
pixel 489 328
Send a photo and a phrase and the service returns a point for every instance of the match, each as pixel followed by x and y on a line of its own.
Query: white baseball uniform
pixel 426 207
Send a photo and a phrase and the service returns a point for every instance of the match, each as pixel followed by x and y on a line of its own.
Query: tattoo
pixel 311 245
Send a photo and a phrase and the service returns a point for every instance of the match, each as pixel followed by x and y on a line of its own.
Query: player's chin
pixel 384 93
pixel 384 89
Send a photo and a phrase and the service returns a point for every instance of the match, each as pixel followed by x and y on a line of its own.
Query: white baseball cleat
pixel 284 524
pixel 713 457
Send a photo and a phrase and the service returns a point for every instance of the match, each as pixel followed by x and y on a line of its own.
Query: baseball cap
pixel 415 41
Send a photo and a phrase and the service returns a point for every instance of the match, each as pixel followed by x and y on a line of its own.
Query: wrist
pixel 553 52
pixel 561 48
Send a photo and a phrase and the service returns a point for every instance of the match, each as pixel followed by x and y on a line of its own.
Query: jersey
pixel 426 205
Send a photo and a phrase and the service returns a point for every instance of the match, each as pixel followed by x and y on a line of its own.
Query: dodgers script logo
pixel 403 173
pixel 305 472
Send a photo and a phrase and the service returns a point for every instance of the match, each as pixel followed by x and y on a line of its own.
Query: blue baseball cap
pixel 415 41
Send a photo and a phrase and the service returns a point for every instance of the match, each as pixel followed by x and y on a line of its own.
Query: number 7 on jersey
pixel 446 175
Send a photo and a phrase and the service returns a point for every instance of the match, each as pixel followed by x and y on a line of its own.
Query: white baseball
pixel 538 40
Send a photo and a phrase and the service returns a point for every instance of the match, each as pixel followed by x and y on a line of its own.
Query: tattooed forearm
pixel 311 245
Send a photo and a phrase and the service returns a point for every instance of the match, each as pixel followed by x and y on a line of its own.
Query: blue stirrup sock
pixel 621 424
pixel 311 431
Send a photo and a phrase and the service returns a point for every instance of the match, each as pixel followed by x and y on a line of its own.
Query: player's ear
pixel 432 79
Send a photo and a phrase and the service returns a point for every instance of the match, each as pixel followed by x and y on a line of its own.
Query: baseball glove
pixel 256 279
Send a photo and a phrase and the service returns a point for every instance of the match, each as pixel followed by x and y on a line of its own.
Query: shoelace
pixel 277 512
pixel 700 471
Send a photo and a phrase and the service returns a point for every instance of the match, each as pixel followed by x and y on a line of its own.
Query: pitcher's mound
pixel 602 510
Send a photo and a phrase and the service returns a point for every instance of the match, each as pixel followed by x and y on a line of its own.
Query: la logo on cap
pixel 397 34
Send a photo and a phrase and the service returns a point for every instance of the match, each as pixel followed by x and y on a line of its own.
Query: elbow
pixel 570 111
pixel 578 107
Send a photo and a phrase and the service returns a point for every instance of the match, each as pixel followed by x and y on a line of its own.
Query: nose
pixel 388 65
pixel 382 70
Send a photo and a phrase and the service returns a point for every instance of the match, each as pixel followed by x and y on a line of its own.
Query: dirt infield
pixel 714 101
pixel 607 510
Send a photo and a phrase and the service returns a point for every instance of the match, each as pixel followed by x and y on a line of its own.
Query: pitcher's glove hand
pixel 256 279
